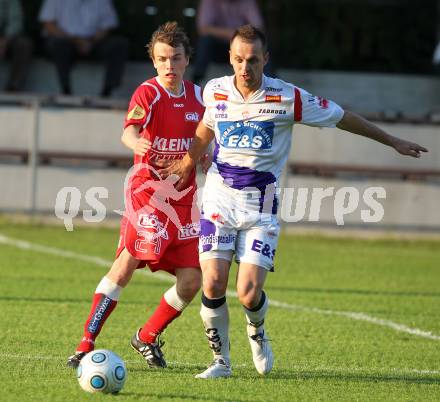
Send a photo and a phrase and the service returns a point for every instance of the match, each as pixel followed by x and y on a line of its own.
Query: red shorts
pixel 163 238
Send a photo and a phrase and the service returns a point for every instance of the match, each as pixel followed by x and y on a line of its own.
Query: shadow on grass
pixel 178 397
pixel 170 370
pixel 353 377
pixel 185 393
pixel 353 292
pixel 58 300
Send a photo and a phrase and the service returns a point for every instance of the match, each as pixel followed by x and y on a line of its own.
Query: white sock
pixel 109 288
pixel 174 300
pixel 256 317
pixel 216 322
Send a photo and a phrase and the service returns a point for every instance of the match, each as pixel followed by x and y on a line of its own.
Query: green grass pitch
pixel 360 322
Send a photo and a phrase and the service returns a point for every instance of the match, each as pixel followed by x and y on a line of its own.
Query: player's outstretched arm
pixel 183 167
pixel 131 139
pixel 356 124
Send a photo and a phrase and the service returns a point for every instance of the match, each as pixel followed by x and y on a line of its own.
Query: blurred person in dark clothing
pixel 216 22
pixel 436 55
pixel 82 29
pixel 14 45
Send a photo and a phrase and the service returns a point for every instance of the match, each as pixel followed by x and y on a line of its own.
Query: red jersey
pixel 169 122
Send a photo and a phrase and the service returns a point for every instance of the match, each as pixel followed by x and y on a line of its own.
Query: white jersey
pixel 253 137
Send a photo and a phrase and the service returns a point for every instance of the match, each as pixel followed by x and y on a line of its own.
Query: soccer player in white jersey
pixel 250 116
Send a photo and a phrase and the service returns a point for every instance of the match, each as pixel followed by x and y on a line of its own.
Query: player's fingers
pixel 163 163
pixel 414 153
pixel 180 184
pixel 139 152
pixel 163 173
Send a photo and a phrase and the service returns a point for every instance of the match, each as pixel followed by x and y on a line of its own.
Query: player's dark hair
pixel 171 34
pixel 249 33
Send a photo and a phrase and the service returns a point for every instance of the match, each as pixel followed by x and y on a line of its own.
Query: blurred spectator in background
pixel 436 56
pixel 82 28
pixel 216 22
pixel 13 44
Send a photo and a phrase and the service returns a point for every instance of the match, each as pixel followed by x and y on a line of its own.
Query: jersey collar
pixel 171 95
pixel 256 94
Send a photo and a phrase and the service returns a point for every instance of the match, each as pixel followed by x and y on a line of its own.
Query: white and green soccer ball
pixel 101 371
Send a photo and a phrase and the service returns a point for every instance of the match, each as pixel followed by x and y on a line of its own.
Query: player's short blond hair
pixel 171 34
pixel 249 33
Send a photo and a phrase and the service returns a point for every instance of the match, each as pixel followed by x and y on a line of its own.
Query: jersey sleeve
pixel 208 118
pixel 139 109
pixel 315 110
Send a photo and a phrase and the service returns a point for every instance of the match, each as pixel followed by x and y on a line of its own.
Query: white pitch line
pixel 358 316
pixel 25 245
pixel 297 367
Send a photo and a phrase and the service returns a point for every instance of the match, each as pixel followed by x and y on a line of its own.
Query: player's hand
pixel 83 46
pixel 408 148
pixel 178 168
pixel 205 162
pixel 142 146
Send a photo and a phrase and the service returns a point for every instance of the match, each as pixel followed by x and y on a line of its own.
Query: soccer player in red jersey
pixel 160 225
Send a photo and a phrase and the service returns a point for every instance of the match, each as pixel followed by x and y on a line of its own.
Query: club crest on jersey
pixel 192 116
pixel 273 98
pixel 246 134
pixel 220 97
pixel 137 113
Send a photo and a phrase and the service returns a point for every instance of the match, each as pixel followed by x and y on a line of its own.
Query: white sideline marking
pixel 359 316
pixel 24 245
pixel 370 370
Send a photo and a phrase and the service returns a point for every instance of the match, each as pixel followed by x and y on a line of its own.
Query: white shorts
pixel 231 223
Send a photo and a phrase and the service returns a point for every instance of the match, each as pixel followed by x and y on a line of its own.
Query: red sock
pixel 102 306
pixel 160 319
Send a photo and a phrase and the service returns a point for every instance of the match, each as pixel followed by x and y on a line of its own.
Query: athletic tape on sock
pixel 213 303
pixel 109 288
pixel 174 300
pixel 257 314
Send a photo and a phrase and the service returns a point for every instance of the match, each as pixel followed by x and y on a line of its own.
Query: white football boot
pixel 261 350
pixel 218 369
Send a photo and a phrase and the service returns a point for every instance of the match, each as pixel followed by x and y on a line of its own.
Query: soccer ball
pixel 101 371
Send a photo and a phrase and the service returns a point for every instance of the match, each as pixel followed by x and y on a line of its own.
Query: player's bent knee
pixel 123 268
pixel 249 298
pixel 213 289
pixel 188 290
pixel 189 281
